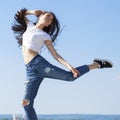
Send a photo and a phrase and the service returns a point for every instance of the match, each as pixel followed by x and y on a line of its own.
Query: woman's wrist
pixel 69 66
pixel 33 12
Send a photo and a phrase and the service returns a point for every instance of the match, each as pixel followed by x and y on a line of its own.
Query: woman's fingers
pixel 75 72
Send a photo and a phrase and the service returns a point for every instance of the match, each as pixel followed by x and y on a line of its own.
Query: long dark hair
pixel 19 26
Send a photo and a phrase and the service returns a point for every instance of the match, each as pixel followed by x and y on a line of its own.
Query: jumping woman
pixel 32 37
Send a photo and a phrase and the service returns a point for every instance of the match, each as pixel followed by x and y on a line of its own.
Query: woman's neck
pixel 40 26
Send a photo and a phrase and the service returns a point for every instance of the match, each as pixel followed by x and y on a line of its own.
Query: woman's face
pixel 46 19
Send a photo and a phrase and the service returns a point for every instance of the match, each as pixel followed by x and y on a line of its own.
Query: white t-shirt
pixel 34 38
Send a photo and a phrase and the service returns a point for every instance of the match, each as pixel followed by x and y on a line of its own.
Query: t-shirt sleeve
pixel 29 24
pixel 47 37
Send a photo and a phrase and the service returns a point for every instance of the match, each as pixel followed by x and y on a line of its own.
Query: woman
pixel 32 37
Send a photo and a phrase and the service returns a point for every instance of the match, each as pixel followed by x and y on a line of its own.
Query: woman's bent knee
pixel 25 102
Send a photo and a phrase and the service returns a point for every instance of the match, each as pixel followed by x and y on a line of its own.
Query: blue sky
pixel 91 30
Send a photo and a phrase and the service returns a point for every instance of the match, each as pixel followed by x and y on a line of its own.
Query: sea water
pixel 62 117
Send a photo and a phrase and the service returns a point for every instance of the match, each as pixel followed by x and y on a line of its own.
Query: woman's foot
pixel 103 63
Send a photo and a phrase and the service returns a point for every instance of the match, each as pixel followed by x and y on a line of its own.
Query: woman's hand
pixel 75 72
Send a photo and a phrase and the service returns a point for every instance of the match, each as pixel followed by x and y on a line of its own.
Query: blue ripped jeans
pixel 36 71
